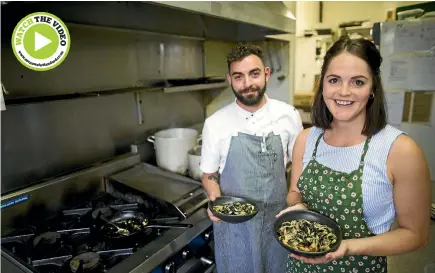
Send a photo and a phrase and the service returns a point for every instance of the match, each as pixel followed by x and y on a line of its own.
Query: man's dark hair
pixel 376 118
pixel 241 51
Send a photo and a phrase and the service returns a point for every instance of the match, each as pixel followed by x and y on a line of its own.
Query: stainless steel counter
pixel 8 266
pixel 183 193
pixel 161 187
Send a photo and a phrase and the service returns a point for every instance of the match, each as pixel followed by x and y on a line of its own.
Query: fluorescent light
pixel 290 15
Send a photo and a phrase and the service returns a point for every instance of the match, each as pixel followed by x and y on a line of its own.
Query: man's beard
pixel 250 100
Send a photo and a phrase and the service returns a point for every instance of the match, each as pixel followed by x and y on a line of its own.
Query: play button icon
pixel 41 41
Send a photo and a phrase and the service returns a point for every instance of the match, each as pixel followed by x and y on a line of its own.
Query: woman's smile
pixel 344 103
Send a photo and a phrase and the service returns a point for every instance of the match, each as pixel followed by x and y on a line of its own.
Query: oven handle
pixel 206 261
pixel 194 265
pixel 210 263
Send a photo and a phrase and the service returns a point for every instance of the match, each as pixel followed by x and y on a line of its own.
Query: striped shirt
pixel 377 190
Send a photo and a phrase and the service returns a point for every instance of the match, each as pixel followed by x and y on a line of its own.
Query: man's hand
pixel 210 181
pixel 210 214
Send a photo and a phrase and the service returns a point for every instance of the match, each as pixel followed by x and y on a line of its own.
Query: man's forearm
pixel 210 182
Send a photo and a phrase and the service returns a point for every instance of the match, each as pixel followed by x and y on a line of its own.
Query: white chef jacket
pixel 275 116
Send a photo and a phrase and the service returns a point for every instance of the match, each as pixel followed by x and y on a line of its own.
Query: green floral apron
pixel 337 195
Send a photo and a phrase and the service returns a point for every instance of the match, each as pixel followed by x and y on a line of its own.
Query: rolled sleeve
pixel 210 156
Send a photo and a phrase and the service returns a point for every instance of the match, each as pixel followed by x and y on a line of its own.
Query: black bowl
pixel 232 218
pixel 310 216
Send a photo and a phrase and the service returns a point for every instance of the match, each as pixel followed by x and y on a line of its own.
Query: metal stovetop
pixel 52 246
pixel 184 193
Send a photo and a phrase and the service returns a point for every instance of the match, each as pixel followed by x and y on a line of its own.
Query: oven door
pixel 197 265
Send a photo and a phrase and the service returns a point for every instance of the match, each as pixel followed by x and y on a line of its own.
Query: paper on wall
pixel 387 39
pixel 397 72
pixel 408 53
pixel 423 72
pixel 394 104
pixel 428 34
pixel 414 36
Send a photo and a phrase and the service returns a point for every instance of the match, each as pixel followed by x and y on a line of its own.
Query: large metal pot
pixel 172 146
pixel 194 158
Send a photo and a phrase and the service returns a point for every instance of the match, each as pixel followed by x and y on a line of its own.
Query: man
pixel 245 148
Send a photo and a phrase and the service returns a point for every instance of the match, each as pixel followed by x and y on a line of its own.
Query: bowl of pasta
pixel 232 209
pixel 307 233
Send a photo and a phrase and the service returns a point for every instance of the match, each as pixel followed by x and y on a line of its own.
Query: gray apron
pixel 254 169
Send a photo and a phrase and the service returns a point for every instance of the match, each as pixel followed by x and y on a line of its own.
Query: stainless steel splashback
pixel 46 139
pixel 40 140
pixel 63 135
pixel 102 59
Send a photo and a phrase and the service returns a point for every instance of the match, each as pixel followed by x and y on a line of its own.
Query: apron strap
pixel 313 156
pixel 365 149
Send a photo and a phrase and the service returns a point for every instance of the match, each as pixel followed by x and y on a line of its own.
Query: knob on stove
pixel 170 268
pixel 185 254
pixel 208 235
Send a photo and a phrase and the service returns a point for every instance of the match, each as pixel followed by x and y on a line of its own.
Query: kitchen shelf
pixel 92 94
pixel 195 87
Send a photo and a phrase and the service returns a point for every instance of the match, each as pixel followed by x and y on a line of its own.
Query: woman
pixel 354 168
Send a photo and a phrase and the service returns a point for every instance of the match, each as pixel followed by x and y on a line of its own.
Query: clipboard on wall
pixel 408 69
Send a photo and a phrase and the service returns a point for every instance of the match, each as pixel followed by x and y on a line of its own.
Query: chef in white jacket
pixel 245 148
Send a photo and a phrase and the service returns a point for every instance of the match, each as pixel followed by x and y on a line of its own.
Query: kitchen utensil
pixel 310 216
pixel 232 218
pixel 194 160
pixel 139 221
pixel 120 231
pixel 172 146
pixel 145 221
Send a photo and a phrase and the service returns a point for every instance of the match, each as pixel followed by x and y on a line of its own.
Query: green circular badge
pixel 41 41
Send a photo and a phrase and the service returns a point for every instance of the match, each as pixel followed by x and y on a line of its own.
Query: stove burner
pixel 73 242
pixel 104 212
pixel 84 262
pixel 48 238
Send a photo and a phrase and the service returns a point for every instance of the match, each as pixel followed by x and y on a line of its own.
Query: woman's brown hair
pixel 376 118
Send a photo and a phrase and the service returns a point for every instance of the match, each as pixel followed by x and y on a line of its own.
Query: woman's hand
pixel 342 251
pixel 298 206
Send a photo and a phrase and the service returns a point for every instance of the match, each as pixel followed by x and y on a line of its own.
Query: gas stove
pixel 74 238
pixel 74 242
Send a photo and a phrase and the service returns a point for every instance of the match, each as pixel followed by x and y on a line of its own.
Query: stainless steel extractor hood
pixel 271 15
pixel 212 20
pixel 231 21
